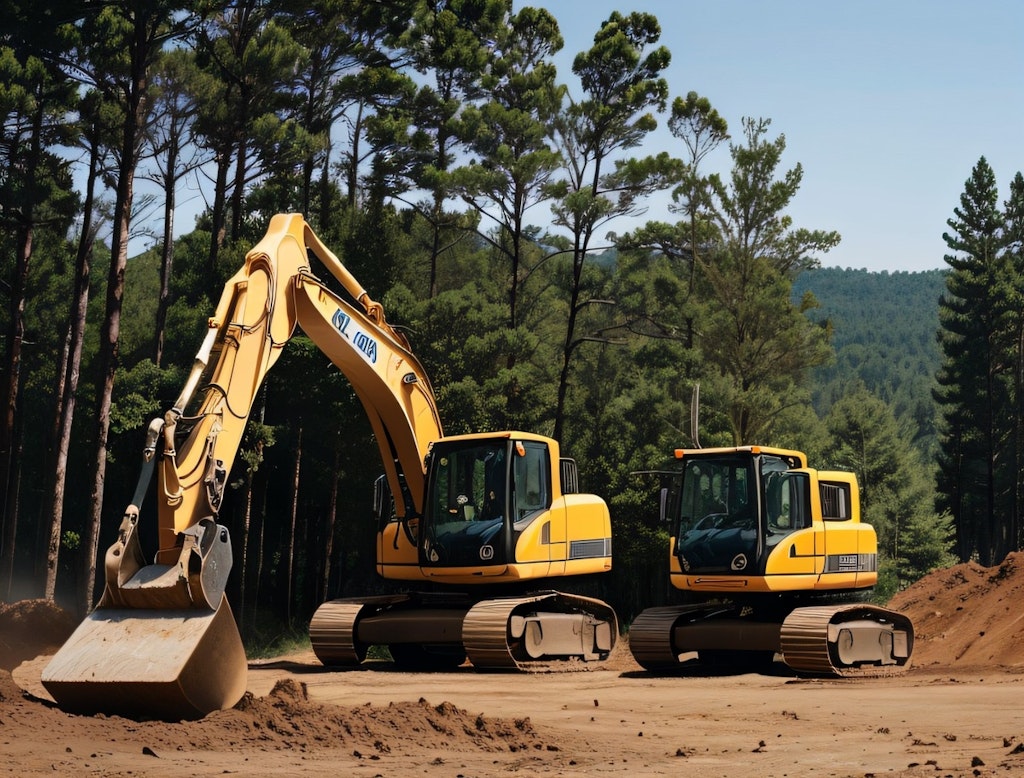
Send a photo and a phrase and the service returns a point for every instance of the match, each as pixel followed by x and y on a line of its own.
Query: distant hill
pixel 884 333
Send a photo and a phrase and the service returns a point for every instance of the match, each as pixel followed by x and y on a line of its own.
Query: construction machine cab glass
pixel 733 509
pixel 480 495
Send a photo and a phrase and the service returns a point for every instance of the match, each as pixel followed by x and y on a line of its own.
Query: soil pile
pixel 286 719
pixel 29 628
pixel 968 616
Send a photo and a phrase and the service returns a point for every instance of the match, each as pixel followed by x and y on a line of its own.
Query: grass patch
pixel 266 636
pixel 267 647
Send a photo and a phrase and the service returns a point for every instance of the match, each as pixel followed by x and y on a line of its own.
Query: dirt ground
pixel 958 712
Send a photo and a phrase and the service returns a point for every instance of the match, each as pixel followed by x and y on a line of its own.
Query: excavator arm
pixel 172 614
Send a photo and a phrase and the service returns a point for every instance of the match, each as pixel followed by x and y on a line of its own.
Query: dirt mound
pixel 287 718
pixel 968 615
pixel 29 628
pixel 284 720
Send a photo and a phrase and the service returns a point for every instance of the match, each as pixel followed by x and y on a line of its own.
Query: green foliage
pixel 621 76
pixel 888 582
pixel 980 392
pixel 895 489
pixel 257 438
pixel 926 545
pixel 144 391
pixel 757 343
pixel 883 329
pixel 749 210
pixel 696 122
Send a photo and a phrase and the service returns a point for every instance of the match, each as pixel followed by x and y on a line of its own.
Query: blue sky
pixel 887 105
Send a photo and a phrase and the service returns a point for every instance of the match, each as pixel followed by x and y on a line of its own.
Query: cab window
pixel 531 473
pixel 787 502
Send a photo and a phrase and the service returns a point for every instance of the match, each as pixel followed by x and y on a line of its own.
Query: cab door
pixel 539 531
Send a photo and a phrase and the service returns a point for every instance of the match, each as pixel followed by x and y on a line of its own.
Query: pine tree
pixel 451 44
pixel 1015 248
pixel 622 82
pixel 757 344
pixel 894 493
pixel 977 329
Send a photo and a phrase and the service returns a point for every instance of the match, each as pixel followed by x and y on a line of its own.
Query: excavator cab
pixel 732 510
pixel 483 493
pixel 498 508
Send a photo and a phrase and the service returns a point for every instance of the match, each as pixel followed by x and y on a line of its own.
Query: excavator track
pixel 505 633
pixel 332 630
pixel 438 631
pixel 332 633
pixel 652 638
pixel 849 641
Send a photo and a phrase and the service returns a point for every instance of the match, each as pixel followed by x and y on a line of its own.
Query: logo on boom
pixel 359 339
pixel 367 345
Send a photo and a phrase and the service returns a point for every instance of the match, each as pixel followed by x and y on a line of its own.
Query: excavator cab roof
pixel 797 458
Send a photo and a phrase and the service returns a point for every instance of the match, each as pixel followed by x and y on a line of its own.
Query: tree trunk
pixel 332 515
pixel 1016 528
pixel 70 369
pixel 244 544
pixel 326 191
pixel 109 352
pixel 12 382
pixel 10 445
pixel 569 344
pixel 140 52
pixel 352 171
pixel 294 517
pixel 167 255
pixel 441 160
pixel 238 189
pixel 217 217
pixel 260 545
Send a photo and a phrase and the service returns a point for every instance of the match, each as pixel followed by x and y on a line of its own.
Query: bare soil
pixel 958 712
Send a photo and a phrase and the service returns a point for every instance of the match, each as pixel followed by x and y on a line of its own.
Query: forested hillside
pixel 884 327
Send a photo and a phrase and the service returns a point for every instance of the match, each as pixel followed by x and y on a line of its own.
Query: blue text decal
pixel 359 339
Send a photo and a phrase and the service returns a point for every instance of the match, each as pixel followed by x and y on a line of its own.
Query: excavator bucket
pixel 162 642
pixel 161 664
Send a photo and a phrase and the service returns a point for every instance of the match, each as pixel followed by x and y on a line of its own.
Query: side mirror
pixel 663 505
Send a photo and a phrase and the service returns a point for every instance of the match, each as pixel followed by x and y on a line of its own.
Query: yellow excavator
pixel 480 522
pixel 772 558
